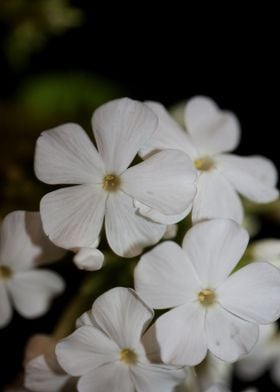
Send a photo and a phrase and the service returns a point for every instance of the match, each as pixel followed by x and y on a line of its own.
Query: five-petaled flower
pixel 73 216
pixel 211 134
pixel 212 309
pixel 106 350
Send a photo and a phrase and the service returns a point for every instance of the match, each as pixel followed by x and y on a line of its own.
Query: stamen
pixel 204 164
pixel 5 272
pixel 128 356
pixel 207 297
pixel 111 183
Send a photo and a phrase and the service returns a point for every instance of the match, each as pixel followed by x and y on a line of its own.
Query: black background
pixel 166 53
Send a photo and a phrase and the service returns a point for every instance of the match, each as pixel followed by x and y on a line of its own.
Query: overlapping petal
pixel 164 277
pixel 122 315
pixel 127 232
pixel 165 182
pixel 121 128
pixel 216 198
pixel 113 377
pixel 214 248
pixel 85 350
pixel 168 135
pixel 212 130
pixel 181 335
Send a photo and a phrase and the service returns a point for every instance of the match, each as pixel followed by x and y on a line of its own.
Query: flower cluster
pixel 144 174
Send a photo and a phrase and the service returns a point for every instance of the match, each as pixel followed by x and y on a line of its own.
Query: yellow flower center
pixel 111 183
pixel 128 356
pixel 204 164
pixel 207 297
pixel 5 272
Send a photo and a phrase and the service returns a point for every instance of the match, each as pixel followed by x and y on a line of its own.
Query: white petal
pixel 164 277
pixel 122 315
pixel 127 232
pixel 5 306
pixel 23 242
pixel 32 291
pixel 39 377
pixel 84 350
pixel 72 217
pixel 181 335
pixel 66 155
pixel 253 293
pixel 216 198
pixel 254 177
pixel 168 135
pixel 113 377
pixel 86 319
pixel 228 336
pixel 90 259
pixel 166 181
pixel 212 129
pixel 267 250
pixel 121 128
pixel 156 216
pixel 214 248
pixel 151 378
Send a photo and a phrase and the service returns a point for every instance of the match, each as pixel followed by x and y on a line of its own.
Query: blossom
pixel 105 187
pixel 212 309
pixel 106 351
pixel 22 246
pixel 90 259
pixel 266 249
pixel 42 371
pixel 211 135
pixel 265 356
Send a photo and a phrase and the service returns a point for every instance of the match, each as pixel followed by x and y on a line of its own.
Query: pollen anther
pixel 207 297
pixel 128 356
pixel 111 183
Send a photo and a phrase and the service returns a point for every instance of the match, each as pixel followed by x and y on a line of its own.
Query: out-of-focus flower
pixel 266 249
pixel 265 356
pixel 23 245
pixel 213 133
pixel 162 186
pixel 42 371
pixel 170 232
pixel 212 309
pixel 106 351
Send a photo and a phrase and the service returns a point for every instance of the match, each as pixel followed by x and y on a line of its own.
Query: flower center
pixel 204 164
pixel 5 272
pixel 207 297
pixel 111 183
pixel 128 356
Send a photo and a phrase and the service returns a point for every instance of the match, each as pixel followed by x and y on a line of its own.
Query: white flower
pixel 42 371
pixel 106 350
pixel 73 216
pixel 22 246
pixel 264 356
pixel 213 133
pixel 212 309
pixel 267 249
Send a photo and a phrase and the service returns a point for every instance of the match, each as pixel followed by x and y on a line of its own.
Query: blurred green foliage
pixel 31 22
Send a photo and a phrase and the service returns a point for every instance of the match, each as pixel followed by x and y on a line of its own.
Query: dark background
pixel 166 53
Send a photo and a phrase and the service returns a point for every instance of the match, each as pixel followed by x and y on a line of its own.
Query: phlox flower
pixel 105 186
pixel 106 350
pixel 213 309
pixel 23 245
pixel 266 249
pixel 209 136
